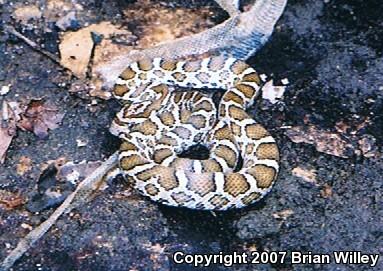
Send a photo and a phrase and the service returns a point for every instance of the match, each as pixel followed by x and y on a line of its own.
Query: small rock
pixel 5 89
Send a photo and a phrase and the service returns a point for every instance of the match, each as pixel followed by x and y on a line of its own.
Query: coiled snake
pixel 158 122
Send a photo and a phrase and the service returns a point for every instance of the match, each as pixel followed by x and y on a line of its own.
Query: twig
pixel 36 47
pixel 76 198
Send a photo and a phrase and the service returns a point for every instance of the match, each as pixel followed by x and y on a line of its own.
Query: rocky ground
pixel 328 196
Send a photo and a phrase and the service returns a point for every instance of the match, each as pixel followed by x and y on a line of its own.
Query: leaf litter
pixel 39 117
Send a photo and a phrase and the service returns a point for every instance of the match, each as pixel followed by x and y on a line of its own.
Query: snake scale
pixel 158 122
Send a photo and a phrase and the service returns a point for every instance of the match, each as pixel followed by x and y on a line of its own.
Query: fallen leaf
pixel 24 165
pixel 308 175
pixel 76 47
pixel 272 93
pixel 10 200
pixel 324 141
pixel 40 117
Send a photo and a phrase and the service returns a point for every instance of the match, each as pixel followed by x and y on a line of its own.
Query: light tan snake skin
pixel 158 122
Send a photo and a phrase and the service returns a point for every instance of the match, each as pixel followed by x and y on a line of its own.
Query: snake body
pixel 158 122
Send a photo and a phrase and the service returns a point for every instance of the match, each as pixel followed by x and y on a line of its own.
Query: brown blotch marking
pixel 223 133
pixel 198 96
pixel 239 67
pixel 204 105
pixel 182 132
pixel 178 97
pixel 256 131
pixel 237 113
pixel 219 201
pixel 232 96
pixel 251 198
pixel 167 140
pixel 181 163
pixel 168 65
pixel 268 151
pixel 247 90
pixel 161 155
pixel 216 63
pixel 263 174
pixel 200 185
pixel 179 76
pixel 236 129
pixel 227 154
pixel 236 184
pixel 147 128
pixel 211 165
pixel 151 189
pixel 162 88
pixel 197 121
pixel 252 77
pixel 147 174
pixel 203 77
pixel 129 162
pixel 189 95
pixel 185 114
pixel 128 74
pixel 145 64
pixel 127 146
pixel 168 180
pixel 120 90
pixel 181 198
pixel 192 66
pixel 167 118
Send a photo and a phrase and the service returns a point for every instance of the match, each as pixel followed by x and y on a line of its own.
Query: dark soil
pixel 331 52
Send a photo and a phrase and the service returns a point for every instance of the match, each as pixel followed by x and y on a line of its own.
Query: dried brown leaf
pixel 76 47
pixel 9 200
pixel 39 117
pixel 324 141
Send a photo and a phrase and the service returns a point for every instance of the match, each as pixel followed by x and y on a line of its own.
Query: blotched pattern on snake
pixel 158 122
